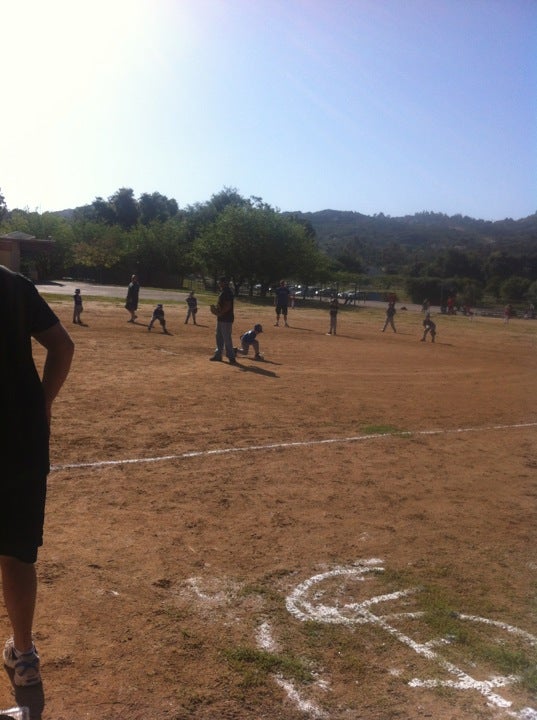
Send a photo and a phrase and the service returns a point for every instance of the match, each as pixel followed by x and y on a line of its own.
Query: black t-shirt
pixel 133 292
pixel 282 296
pixel 226 296
pixel 24 433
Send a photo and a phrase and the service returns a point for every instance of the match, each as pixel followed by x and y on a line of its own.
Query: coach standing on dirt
pixel 281 302
pixel 24 451
pixel 131 303
pixel 224 323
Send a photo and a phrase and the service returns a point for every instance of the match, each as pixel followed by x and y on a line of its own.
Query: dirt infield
pixel 343 531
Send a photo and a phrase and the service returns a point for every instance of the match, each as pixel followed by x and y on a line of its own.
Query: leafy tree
pixel 255 245
pixel 162 252
pixel 126 208
pixel 3 206
pixel 493 286
pixel 532 293
pixel 425 287
pixel 103 211
pixel 392 257
pixel 228 196
pixel 470 292
pixel 102 249
pixel 349 257
pixel 514 289
pixel 501 264
pixel 456 263
pixel 155 206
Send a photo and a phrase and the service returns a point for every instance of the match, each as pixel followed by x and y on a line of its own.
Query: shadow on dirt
pixel 32 697
pixel 257 369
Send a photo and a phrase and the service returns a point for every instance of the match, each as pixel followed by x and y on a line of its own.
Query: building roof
pixel 24 237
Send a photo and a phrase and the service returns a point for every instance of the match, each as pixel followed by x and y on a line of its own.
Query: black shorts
pixel 281 310
pixel 22 513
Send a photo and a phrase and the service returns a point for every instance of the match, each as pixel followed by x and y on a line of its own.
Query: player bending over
pixel 158 314
pixel 249 339
pixel 428 327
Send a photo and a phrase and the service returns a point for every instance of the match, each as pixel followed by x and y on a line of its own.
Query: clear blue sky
pixel 393 106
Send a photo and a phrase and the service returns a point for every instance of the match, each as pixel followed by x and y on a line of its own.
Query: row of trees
pixel 255 244
pixel 246 239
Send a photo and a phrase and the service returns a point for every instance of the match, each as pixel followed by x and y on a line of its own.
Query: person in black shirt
pixel 428 327
pixel 390 314
pixel 281 302
pixel 158 314
pixel 24 452
pixel 224 323
pixel 131 303
pixel 77 308
pixel 192 304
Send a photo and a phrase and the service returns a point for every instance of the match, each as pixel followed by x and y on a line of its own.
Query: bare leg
pixel 19 583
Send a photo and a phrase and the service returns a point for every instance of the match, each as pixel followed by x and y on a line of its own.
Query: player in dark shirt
pixel 77 307
pixel 131 303
pixel 158 314
pixel 192 311
pixel 429 327
pixel 249 339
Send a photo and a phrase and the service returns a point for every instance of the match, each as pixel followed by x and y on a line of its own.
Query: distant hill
pixel 334 228
pixel 425 231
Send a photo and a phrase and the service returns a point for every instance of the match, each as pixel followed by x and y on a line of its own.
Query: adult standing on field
pixel 131 303
pixel 281 301
pixel 224 322
pixel 24 452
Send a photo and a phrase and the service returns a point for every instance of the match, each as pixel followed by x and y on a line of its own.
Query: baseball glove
pixel 213 309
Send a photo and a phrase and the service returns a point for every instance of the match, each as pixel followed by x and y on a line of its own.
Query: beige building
pixel 17 245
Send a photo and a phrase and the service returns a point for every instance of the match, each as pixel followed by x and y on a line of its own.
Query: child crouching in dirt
pixel 158 314
pixel 250 339
pixel 428 327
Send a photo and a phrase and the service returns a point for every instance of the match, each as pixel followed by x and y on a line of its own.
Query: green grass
pixel 255 666
pixel 481 644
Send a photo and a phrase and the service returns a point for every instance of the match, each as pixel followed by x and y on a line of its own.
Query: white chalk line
pixel 285 445
pixel 359 613
pixel 266 642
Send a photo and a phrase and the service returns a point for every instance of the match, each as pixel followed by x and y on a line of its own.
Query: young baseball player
pixel 250 339
pixel 390 314
pixel 333 309
pixel 77 309
pixel 158 314
pixel 428 327
pixel 192 304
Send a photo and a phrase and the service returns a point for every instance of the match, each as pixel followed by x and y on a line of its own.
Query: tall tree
pixel 102 211
pixel 126 208
pixel 3 206
pixel 155 206
pixel 255 245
